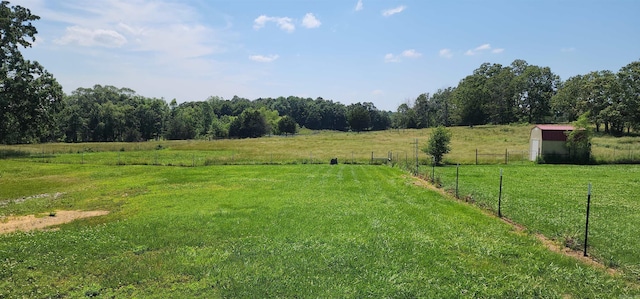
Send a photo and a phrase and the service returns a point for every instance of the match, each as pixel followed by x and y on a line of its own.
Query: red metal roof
pixel 555 127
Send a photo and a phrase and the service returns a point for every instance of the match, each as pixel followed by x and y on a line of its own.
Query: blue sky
pixel 385 51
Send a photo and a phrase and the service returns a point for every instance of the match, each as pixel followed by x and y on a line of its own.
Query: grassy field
pixel 271 231
pixel 552 199
pixel 491 142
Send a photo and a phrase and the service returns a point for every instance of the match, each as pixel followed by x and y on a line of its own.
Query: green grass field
pixel 313 147
pixel 271 231
pixel 552 199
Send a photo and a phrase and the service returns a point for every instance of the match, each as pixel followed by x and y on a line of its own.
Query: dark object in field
pixel 334 161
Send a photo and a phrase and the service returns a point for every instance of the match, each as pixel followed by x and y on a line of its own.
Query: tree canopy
pixel 29 95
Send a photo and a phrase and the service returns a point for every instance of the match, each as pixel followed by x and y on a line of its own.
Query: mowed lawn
pixel 552 199
pixel 271 231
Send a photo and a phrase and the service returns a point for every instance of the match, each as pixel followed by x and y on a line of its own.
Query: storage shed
pixel 548 140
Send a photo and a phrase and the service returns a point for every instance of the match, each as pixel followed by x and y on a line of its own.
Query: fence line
pixel 116 155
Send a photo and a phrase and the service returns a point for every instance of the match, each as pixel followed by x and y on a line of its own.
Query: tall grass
pixel 494 145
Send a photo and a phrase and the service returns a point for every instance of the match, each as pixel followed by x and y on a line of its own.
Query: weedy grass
pixel 552 200
pixel 273 231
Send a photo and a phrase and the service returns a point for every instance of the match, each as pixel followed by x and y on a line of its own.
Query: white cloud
pixel 284 23
pixel 393 11
pixel 483 48
pixel 167 30
pixel 262 58
pixel 411 53
pixel 310 21
pixel 92 37
pixel 446 53
pixel 391 58
pixel 359 6
pixel 377 92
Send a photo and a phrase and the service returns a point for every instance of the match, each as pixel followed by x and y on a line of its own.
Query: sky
pixel 383 51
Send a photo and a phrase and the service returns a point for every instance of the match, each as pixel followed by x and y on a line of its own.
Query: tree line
pixel 33 107
pixel 108 113
pixel 523 93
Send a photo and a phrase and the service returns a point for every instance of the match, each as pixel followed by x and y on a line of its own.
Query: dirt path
pixel 31 222
pixel 550 244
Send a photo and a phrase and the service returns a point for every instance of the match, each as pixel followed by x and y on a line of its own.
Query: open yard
pixel 270 231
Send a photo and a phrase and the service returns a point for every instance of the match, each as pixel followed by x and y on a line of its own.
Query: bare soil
pixel 32 222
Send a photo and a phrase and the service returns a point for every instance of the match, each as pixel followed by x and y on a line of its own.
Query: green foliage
pixel 250 124
pixel 29 95
pixel 287 125
pixel 579 141
pixel 358 117
pixel 438 144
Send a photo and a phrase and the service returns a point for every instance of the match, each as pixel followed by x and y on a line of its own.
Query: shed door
pixel 533 152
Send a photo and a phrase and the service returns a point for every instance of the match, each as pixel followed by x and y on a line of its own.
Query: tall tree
pixel 567 103
pixel 287 125
pixel 29 95
pixel 629 80
pixel 358 117
pixel 443 107
pixel 537 86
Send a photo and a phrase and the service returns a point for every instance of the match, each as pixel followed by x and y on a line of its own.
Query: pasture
pixel 269 217
pixel 312 147
pixel 271 231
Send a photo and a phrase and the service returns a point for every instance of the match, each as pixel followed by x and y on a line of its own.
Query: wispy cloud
pixel 359 6
pixel 310 21
pixel 167 30
pixel 446 53
pixel 262 58
pixel 377 92
pixel 391 58
pixel 87 37
pixel 393 11
pixel 284 23
pixel 411 53
pixel 484 48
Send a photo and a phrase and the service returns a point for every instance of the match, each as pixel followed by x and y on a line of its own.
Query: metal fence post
pixel 500 197
pixel 586 228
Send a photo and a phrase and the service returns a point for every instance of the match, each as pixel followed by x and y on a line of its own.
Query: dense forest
pixel 33 107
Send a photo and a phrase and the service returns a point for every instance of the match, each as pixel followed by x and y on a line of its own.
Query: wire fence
pixel 137 155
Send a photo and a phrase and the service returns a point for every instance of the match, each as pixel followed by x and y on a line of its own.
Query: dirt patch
pixel 549 243
pixel 33 222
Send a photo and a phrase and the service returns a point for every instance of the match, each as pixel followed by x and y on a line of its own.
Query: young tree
pixel 438 144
